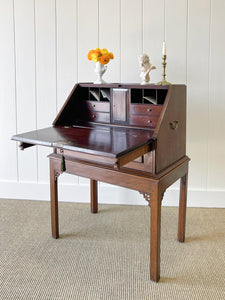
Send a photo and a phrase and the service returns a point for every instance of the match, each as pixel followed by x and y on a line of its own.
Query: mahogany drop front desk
pixel 129 135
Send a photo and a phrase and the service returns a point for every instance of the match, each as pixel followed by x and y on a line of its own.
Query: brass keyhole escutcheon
pixel 174 125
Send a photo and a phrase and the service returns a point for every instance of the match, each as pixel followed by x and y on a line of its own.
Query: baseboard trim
pixel 108 194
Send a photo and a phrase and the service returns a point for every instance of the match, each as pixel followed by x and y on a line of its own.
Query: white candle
pixel 164 48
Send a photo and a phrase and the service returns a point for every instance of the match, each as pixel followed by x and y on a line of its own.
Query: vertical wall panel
pixel 8 149
pixel 44 46
pixel 216 123
pixel 66 16
pixel 25 84
pixel 66 43
pixel 153 35
pixel 88 38
pixel 198 91
pixel 131 39
pixel 109 36
pixel 46 75
pixel 175 36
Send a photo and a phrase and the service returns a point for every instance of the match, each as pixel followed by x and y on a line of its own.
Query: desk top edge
pixel 127 85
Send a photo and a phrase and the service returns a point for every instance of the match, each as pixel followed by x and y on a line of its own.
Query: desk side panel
pixel 74 108
pixel 171 142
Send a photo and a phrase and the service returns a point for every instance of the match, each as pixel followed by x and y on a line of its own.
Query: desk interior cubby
pixel 161 96
pixel 148 96
pixel 136 95
pixel 99 94
pixel 133 105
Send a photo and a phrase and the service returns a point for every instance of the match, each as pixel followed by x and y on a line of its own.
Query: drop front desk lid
pixel 119 145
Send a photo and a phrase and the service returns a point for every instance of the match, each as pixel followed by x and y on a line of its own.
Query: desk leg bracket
pixel 147 197
pixel 57 174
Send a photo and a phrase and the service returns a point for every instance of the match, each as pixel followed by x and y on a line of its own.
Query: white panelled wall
pixel 43 53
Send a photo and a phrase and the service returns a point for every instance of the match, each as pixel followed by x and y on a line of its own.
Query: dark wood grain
pixel 94 106
pixel 54 200
pixel 144 120
pixel 182 208
pixel 94 196
pixel 145 109
pixel 171 144
pixel 120 106
pixel 110 133
pixel 152 185
pixel 155 232
pixel 101 117
pixel 99 140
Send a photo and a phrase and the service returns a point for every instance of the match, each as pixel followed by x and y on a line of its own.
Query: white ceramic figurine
pixel 145 67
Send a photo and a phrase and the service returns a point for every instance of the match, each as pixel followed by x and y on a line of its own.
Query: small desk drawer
pixel 145 109
pixel 99 117
pixel 143 120
pixel 98 106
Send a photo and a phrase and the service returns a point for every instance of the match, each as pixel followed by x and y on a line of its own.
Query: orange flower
pixel 97 50
pixel 104 51
pixel 90 53
pixel 95 57
pixel 104 59
pixel 111 55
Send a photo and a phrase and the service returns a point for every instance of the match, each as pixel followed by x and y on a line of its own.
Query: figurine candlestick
pixel 164 82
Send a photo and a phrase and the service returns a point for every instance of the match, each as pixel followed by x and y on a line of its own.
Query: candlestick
pixel 164 82
pixel 164 48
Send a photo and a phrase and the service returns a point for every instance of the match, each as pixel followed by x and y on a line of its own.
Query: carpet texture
pixel 106 255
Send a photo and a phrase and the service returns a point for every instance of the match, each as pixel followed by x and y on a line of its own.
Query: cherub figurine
pixel 145 67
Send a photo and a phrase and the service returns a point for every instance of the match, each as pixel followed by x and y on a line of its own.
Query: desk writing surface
pixel 100 140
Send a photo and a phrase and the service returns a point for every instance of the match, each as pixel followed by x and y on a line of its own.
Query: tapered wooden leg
pixel 54 202
pixel 94 196
pixel 155 235
pixel 182 208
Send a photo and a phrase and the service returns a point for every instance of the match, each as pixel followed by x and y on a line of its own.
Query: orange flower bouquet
pixel 101 57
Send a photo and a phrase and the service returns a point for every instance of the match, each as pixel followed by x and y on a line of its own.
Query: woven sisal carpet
pixel 106 256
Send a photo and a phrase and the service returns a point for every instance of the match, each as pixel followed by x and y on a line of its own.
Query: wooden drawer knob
pixel 149 121
pixel 149 109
